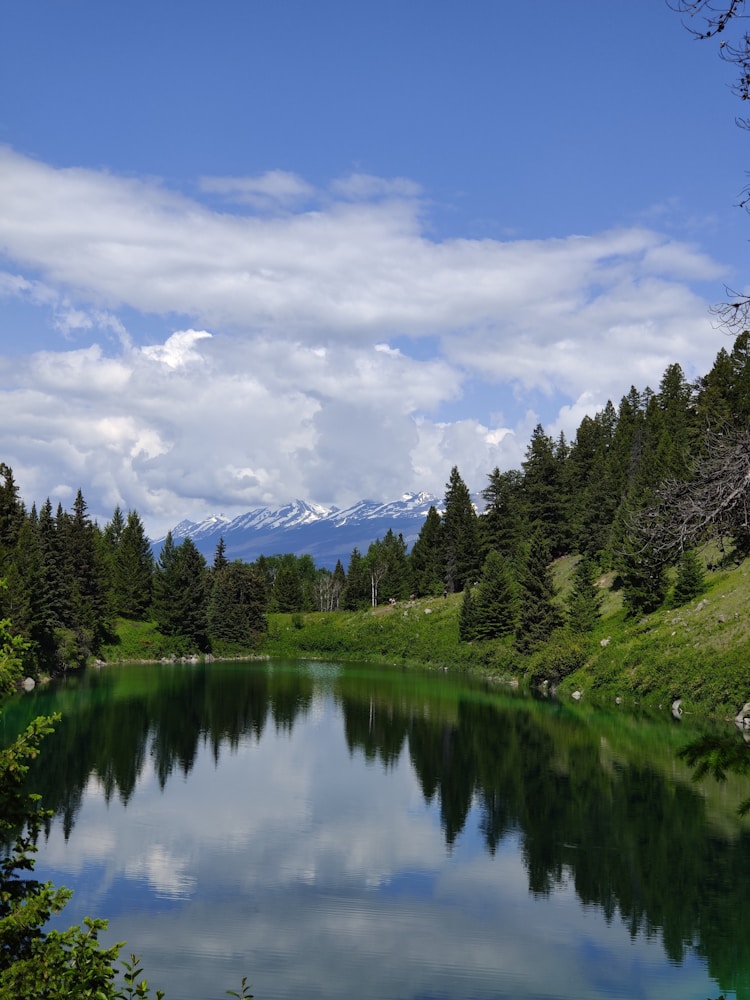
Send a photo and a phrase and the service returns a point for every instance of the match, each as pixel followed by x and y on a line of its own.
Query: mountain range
pixel 302 528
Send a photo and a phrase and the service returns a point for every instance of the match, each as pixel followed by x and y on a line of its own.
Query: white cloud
pixel 361 187
pixel 276 188
pixel 179 350
pixel 338 339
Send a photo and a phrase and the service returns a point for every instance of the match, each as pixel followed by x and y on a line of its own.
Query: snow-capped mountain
pixel 300 527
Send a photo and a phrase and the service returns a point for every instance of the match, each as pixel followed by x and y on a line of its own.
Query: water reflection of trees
pixel 631 841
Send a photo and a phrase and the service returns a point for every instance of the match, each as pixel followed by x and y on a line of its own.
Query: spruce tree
pixel 466 619
pixel 220 557
pixel 356 593
pixel 396 583
pixel 307 573
pixel 494 601
pixel 23 600
pixel 134 563
pixel 593 493
pixel 538 615
pixel 338 582
pixel 180 592
pixel 89 610
pixel 12 511
pixel 462 550
pixel 501 522
pixel 641 572
pixel 584 602
pixel 543 490
pixel 427 557
pixel 691 580
pixel 286 595
pixel 236 612
pixel 713 403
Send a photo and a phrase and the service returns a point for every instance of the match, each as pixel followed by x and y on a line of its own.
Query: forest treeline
pixel 637 489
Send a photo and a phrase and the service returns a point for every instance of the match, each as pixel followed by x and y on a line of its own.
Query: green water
pixel 346 831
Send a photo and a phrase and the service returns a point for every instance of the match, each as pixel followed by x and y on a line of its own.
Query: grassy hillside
pixel 699 652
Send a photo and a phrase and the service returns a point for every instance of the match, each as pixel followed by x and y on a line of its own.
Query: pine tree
pixel 11 511
pixel 220 557
pixel 461 535
pixel 396 583
pixel 427 557
pixel 134 563
pixel 89 610
pixel 356 593
pixel 287 586
pixel 180 592
pixel 538 614
pixel 584 602
pixel 691 581
pixel 236 609
pixel 495 601
pixel 543 491
pixel 466 619
pixel 501 522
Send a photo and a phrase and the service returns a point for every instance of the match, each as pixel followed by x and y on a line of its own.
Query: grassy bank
pixel 699 652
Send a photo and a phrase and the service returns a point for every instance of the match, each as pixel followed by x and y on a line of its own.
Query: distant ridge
pixel 302 528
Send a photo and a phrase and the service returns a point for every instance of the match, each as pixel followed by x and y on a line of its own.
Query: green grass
pixel 698 652
pixel 419 631
pixel 134 641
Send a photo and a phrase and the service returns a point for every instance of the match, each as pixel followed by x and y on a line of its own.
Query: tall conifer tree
pixel 461 535
pixel 538 614
pixel 427 556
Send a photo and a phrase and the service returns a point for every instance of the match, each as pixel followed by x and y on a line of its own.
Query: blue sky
pixel 251 251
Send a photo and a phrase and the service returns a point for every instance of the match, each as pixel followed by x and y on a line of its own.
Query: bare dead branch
pixel 715 501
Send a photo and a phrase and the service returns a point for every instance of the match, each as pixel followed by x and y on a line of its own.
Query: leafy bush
pixel 563 653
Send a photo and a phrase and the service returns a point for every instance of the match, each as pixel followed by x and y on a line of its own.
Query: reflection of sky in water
pixel 318 874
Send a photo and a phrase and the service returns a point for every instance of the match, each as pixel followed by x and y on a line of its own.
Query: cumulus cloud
pixel 179 349
pixel 308 352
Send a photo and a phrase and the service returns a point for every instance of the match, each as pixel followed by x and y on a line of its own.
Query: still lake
pixel 345 831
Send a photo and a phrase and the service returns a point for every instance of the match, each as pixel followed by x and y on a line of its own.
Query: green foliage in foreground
pixel 35 964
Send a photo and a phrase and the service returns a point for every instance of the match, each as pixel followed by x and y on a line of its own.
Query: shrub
pixel 559 657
